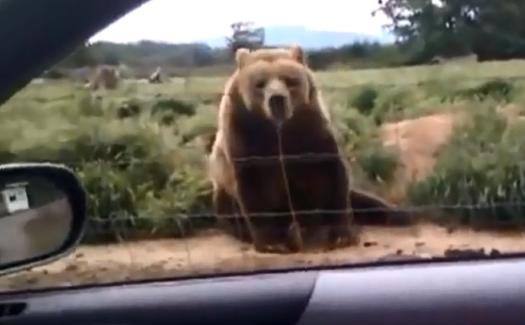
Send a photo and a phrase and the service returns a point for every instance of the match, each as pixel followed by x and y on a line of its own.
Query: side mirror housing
pixel 42 214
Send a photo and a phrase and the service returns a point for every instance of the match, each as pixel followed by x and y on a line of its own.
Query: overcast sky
pixel 191 20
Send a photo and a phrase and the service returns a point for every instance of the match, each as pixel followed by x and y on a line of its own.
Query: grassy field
pixel 139 149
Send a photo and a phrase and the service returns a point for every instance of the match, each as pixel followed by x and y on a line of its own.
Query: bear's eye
pixel 291 82
pixel 260 84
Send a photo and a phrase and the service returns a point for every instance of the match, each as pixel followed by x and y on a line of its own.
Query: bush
pixel 378 163
pixel 174 106
pixel 352 125
pixel 128 109
pixel 167 111
pixel 391 104
pixel 362 140
pixel 138 177
pixel 480 177
pixel 121 208
pixel 499 90
pixel 364 99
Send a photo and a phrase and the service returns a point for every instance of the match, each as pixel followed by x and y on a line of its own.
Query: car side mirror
pixel 42 214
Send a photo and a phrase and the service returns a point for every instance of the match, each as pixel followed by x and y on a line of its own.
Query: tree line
pixel 424 29
pixel 145 53
pixel 491 29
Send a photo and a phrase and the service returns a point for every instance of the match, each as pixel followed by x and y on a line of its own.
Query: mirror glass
pixel 35 218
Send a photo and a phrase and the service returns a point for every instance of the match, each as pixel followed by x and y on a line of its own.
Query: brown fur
pixel 246 129
pixel 367 208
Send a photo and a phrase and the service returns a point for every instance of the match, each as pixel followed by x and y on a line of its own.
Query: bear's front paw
pixel 273 248
pixel 343 237
pixel 295 237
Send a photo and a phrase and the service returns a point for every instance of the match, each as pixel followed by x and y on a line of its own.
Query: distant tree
pixel 490 29
pixel 202 55
pixel 244 34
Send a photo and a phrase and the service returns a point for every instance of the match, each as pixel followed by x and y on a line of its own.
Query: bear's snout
pixel 278 107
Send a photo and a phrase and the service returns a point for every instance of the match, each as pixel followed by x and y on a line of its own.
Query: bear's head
pixel 274 82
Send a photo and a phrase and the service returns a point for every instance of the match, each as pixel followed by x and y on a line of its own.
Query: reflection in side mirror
pixel 42 214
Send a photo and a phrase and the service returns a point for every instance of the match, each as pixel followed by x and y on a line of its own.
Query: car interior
pixel 438 290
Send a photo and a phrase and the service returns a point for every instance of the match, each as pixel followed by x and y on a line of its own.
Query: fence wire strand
pixel 305 157
pixel 407 209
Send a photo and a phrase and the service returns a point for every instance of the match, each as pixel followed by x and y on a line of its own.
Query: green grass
pixel 480 175
pixel 137 149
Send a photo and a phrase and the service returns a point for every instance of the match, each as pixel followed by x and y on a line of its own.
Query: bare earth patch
pixel 214 252
pixel 418 142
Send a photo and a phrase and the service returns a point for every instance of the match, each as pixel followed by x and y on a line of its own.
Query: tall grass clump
pixel 138 176
pixel 134 170
pixel 364 99
pixel 497 89
pixel 392 103
pixel 362 141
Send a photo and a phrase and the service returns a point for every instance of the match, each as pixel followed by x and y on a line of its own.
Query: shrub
pixel 167 111
pixel 128 109
pixel 391 104
pixel 120 207
pixel 352 125
pixel 128 167
pixel 378 163
pixel 479 177
pixel 499 90
pixel 174 106
pixel 362 140
pixel 364 99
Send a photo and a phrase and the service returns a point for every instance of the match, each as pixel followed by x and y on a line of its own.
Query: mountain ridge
pixel 307 38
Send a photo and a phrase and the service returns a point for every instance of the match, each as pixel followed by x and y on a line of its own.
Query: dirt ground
pixel 419 141
pixel 214 252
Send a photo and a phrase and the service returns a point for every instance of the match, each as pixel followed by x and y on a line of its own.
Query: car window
pixel 381 131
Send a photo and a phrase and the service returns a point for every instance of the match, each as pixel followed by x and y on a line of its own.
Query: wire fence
pixel 174 217
pixel 305 157
pixel 407 209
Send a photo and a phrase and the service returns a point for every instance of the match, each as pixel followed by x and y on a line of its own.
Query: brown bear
pixel 275 165
pixel 272 109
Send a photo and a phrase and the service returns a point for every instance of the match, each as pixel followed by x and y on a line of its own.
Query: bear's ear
pixel 298 54
pixel 241 56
